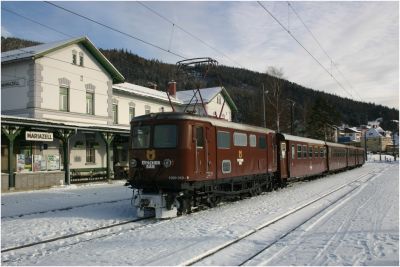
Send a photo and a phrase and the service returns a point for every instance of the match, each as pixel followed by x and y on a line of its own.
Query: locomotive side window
pixel 223 139
pixel 239 139
pixel 299 151
pixel 262 142
pixel 226 166
pixel 165 136
pixel 252 140
pixel 141 137
pixel 199 136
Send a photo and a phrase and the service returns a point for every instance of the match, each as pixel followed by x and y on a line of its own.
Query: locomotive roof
pixel 302 139
pixel 214 121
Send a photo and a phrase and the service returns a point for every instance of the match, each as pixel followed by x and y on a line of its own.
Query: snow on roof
pixel 31 51
pixel 144 91
pixel 206 93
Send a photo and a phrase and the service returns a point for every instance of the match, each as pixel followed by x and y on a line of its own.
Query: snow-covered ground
pixel 356 225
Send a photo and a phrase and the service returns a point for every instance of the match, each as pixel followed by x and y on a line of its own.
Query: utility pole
pixel 292 102
pixel 264 115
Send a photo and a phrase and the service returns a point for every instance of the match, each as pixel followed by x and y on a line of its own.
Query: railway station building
pixel 65 114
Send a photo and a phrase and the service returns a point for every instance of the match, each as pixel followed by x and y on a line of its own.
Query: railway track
pixel 224 248
pixel 76 234
pixel 63 209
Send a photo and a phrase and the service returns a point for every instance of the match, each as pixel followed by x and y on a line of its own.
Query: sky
pixel 351 49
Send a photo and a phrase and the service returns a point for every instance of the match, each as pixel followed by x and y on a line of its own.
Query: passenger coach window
pixel 321 152
pixel 223 139
pixel 141 137
pixel 262 142
pixel 293 152
pixel 239 139
pixel 299 151
pixel 165 136
pixel 310 151
pixel 305 152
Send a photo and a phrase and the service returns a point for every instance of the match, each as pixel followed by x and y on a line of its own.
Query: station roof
pixel 38 51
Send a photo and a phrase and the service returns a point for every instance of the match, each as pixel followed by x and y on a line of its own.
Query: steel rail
pixel 270 222
pixel 72 235
pixel 62 209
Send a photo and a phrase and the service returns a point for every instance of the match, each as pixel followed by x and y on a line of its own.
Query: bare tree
pixel 274 87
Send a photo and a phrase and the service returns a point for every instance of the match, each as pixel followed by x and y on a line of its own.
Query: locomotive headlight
pixel 167 163
pixel 134 163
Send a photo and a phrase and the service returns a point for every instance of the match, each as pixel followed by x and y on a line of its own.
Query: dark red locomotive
pixel 180 161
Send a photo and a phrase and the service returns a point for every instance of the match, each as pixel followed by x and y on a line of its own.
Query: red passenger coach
pixel 337 156
pixel 301 157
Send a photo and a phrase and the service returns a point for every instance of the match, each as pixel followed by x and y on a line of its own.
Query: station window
pixel 64 98
pixel 299 151
pixel 89 103
pixel 223 139
pixel 252 140
pixel 74 60
pixel 81 59
pixel 131 113
pixel 90 150
pixel 146 109
pixel 239 139
pixel 115 113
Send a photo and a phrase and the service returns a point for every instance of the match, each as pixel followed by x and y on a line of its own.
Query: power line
pixel 31 20
pixel 188 33
pixel 319 63
pixel 116 30
pixel 319 44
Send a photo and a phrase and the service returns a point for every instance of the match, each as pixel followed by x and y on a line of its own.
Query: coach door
pixel 200 149
pixel 283 160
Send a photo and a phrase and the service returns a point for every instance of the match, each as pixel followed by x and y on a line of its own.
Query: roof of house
pixel 145 92
pixel 207 94
pixel 38 51
pixel 351 130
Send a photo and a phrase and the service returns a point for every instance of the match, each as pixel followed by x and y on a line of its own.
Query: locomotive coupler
pixel 157 204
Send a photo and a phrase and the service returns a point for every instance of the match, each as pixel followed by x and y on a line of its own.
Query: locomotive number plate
pixel 150 164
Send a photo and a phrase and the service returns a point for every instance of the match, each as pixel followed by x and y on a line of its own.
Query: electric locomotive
pixel 180 161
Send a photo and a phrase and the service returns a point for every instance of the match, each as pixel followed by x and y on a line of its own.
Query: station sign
pixel 38 136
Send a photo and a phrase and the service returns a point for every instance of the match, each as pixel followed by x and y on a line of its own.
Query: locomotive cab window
pixel 165 136
pixel 223 139
pixel 141 137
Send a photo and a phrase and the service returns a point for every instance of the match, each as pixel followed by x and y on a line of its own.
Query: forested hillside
pixel 245 88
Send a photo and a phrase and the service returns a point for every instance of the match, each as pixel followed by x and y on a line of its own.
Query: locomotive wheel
pixel 185 206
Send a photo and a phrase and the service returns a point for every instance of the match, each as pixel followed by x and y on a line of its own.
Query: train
pixel 179 162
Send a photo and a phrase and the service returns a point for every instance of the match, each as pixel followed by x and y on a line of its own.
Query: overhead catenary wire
pixel 308 52
pixel 188 33
pixel 116 30
pixel 319 44
pixel 34 21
